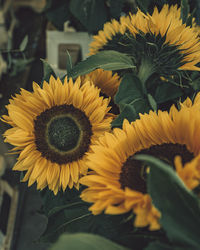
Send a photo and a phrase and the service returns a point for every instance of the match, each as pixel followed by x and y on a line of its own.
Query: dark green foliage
pixel 83 15
pixel 91 13
pixel 58 12
pixel 75 217
pixel 131 100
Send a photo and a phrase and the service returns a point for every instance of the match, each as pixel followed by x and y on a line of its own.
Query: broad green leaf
pixel 85 241
pixel 166 92
pixel 185 9
pixel 58 13
pixel 47 71
pixel 107 60
pixel 130 89
pixel 74 217
pixel 140 238
pixel 87 11
pixel 130 99
pixel 52 203
pixel 178 205
pixel 128 113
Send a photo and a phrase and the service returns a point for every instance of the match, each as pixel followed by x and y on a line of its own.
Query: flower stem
pixel 146 69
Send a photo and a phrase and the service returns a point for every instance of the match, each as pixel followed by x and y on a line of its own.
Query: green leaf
pixel 87 11
pixel 74 217
pixel 152 102
pixel 159 246
pixel 85 241
pixel 58 13
pixel 107 60
pixel 140 238
pixel 130 99
pixel 128 113
pixel 178 205
pixel 167 91
pixel 185 9
pixel 47 71
pixel 52 203
pixel 24 43
pixel 130 90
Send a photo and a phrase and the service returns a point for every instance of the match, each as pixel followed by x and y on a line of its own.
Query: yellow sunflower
pixel 190 172
pixel 118 181
pixel 53 128
pixel 161 36
pixel 105 80
pixel 110 30
pixel 195 104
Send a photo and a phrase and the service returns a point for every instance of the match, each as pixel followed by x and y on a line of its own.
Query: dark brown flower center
pixel 133 174
pixel 62 134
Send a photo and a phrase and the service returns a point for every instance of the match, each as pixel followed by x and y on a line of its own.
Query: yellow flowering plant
pixel 114 147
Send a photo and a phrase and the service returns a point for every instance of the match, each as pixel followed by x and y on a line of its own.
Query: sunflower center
pixel 62 134
pixel 133 174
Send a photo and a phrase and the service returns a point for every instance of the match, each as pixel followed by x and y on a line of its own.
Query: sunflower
pixel 105 80
pixel 53 128
pixel 190 172
pixel 110 30
pixel 195 104
pixel 161 39
pixel 118 181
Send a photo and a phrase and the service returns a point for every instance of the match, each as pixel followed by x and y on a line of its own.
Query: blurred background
pixel 31 30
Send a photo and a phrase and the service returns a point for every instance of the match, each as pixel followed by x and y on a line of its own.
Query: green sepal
pixel 47 71
pixel 152 102
pixel 185 9
pixel 179 207
pixel 69 62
